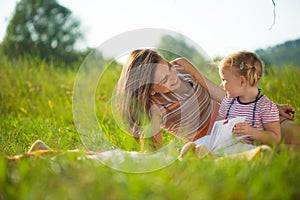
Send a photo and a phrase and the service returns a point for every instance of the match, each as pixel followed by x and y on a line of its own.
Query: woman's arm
pixel 156 118
pixel 152 139
pixel 216 92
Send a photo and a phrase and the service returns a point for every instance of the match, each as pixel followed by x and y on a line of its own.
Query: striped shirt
pixel 266 110
pixel 184 115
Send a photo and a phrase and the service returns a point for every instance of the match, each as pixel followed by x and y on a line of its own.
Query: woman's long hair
pixel 134 88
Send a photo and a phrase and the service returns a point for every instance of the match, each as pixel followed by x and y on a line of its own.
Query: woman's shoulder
pixel 179 68
pixel 182 73
pixel 182 63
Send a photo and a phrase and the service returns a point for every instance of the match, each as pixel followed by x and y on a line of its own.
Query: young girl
pixel 240 73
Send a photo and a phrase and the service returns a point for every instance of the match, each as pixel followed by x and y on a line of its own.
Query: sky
pixel 219 27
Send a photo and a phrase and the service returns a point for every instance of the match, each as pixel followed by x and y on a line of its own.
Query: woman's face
pixel 165 78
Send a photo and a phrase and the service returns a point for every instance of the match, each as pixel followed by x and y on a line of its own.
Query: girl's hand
pixel 242 128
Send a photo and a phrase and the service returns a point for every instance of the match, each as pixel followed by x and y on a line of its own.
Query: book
pixel 222 141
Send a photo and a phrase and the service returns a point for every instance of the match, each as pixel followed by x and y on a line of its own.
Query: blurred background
pixel 219 27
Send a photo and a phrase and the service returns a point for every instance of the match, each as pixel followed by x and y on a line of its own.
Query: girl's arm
pixel 270 135
pixel 216 92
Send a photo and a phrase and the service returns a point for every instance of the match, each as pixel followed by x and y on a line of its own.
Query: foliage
pixel 168 44
pixel 282 54
pixel 36 103
pixel 42 28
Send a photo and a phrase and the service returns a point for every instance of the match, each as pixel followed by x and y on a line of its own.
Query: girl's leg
pixel 199 150
pixel 187 148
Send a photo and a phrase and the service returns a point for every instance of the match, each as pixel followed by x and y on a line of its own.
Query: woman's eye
pixel 170 66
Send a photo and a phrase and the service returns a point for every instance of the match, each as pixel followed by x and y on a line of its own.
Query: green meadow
pixel 36 103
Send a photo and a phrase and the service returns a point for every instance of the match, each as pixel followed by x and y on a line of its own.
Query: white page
pixel 222 136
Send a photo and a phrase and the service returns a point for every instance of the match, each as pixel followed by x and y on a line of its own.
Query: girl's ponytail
pixel 253 76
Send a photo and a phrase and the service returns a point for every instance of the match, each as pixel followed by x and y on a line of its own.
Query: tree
pixel 42 28
pixel 169 44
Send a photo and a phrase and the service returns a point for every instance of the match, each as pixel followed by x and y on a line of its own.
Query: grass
pixel 36 103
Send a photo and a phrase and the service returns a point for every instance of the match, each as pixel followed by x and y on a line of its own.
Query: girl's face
pixel 165 78
pixel 231 83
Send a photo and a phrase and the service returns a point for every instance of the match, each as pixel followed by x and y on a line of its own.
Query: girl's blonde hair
pixel 134 89
pixel 244 63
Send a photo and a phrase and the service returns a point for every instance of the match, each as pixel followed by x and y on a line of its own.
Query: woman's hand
pixel 286 111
